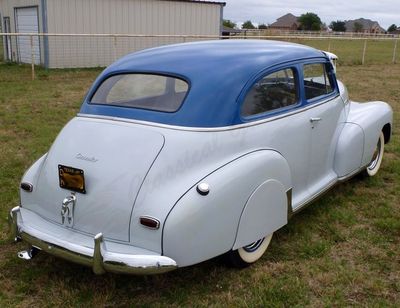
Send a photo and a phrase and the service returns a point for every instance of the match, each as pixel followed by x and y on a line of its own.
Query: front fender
pixel 371 117
pixel 349 150
pixel 201 227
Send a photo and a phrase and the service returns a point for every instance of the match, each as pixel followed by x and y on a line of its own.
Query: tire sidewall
pixel 373 171
pixel 251 257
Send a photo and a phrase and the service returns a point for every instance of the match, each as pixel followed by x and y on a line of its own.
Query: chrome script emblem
pixel 67 210
pixel 82 157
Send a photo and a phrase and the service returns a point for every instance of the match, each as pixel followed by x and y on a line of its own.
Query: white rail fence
pixel 100 50
pixel 305 33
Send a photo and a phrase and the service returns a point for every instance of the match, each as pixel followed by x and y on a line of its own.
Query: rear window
pixel 145 91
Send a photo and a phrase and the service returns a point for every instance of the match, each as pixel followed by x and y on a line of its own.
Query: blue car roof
pixel 217 72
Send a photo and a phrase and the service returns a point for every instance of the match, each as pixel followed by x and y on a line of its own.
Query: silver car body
pixel 256 181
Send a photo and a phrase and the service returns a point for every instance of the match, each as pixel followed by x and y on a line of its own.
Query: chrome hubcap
pixel 376 156
pixel 253 246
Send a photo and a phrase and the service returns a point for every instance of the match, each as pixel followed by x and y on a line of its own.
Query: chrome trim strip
pixel 208 129
pixel 352 174
pixel 99 259
pixel 326 189
pixel 315 196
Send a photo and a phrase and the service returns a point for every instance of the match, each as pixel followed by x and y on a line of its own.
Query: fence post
pixel 115 48
pixel 33 59
pixel 364 52
pixel 394 51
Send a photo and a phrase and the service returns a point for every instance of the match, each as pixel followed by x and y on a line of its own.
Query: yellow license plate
pixel 71 179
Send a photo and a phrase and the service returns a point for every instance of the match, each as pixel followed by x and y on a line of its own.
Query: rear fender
pixel 31 176
pixel 202 227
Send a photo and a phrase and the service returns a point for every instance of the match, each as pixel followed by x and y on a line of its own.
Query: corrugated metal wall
pixel 112 17
pixel 7 9
pixel 125 17
pixel 132 16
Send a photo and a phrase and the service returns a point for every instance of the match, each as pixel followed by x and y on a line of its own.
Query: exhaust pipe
pixel 28 254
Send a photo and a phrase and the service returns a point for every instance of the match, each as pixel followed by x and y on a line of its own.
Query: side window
pixel 274 91
pixel 316 80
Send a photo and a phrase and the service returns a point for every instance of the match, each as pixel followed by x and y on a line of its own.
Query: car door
pixel 275 98
pixel 325 113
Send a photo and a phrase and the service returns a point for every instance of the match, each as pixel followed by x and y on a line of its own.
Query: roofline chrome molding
pixel 101 260
pixel 208 129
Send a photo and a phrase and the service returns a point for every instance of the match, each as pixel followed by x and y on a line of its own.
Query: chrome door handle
pixel 312 120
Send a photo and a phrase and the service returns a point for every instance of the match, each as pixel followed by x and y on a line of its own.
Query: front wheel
pixel 376 161
pixel 249 254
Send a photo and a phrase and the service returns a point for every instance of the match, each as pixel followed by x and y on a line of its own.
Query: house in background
pixel 226 31
pixel 148 17
pixel 366 25
pixel 286 22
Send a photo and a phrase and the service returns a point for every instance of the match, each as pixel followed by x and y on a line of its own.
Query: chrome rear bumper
pixel 99 258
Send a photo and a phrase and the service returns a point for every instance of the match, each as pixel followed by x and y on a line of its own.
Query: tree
pixel 310 21
pixel 338 26
pixel 262 26
pixel 392 28
pixel 229 24
pixel 358 27
pixel 248 25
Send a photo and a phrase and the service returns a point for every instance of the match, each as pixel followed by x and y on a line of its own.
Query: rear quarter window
pixel 275 91
pixel 144 91
pixel 316 81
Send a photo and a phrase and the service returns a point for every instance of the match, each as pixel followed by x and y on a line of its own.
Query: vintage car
pixel 187 152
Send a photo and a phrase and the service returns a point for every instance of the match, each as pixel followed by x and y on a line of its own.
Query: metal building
pixel 148 17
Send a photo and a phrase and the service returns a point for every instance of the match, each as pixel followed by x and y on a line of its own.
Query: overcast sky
pixel 386 12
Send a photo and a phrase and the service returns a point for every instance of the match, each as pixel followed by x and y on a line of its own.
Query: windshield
pixel 145 91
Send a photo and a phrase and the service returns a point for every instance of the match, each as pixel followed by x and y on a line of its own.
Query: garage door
pixel 26 21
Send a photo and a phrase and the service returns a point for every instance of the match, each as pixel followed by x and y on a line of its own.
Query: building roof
pixel 217 71
pixel 367 24
pixel 285 21
pixel 201 1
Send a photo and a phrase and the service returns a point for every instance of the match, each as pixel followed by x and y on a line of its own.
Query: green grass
pixel 350 52
pixel 343 250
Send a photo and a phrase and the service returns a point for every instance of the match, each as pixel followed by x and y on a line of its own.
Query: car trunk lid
pixel 115 158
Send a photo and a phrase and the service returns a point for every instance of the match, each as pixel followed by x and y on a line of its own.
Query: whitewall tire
pixel 249 254
pixel 376 161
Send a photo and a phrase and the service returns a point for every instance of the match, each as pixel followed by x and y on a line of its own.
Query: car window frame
pixel 332 79
pixel 106 77
pixel 249 86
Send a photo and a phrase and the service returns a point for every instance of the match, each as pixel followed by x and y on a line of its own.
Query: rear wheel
pixel 249 254
pixel 376 161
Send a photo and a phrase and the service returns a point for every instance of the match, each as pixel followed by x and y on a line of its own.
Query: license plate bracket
pixel 71 178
